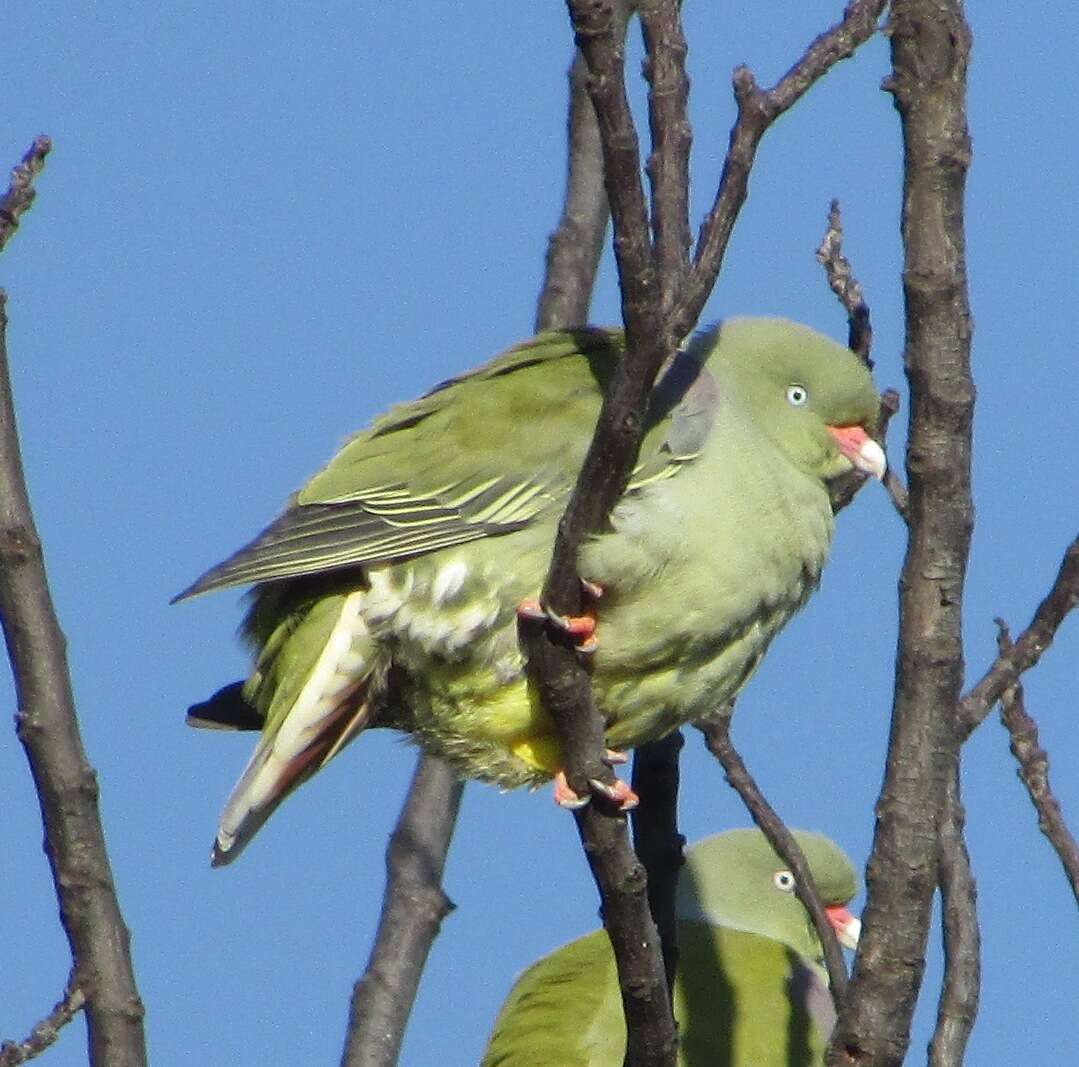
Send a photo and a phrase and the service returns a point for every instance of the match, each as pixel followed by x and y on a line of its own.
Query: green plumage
pixel 386 594
pixel 750 989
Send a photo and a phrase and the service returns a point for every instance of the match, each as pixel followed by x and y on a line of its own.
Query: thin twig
pixel 958 1006
pixel 47 727
pixel 1033 771
pixel 668 165
pixel 846 287
pixel 413 908
pixel 716 730
pixel 48 1030
pixel 848 290
pixel 575 247
pixel 897 492
pixel 20 194
pixel 601 45
pixel 757 110
pixel 1062 597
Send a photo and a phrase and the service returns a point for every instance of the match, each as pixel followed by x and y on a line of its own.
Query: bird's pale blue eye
pixel 797 395
pixel 783 881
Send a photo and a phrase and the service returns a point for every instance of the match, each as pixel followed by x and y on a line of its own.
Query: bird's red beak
pixel 863 452
pixel 847 927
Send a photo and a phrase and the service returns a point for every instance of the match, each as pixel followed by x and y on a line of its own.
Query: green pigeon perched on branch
pixel 388 592
pixel 750 989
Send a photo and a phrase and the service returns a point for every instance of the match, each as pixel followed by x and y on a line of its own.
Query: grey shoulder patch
pixel 688 394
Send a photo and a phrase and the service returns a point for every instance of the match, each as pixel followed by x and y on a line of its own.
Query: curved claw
pixel 581 629
pixel 564 796
pixel 619 793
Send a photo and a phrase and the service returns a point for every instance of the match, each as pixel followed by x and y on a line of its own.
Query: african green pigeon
pixel 388 591
pixel 750 990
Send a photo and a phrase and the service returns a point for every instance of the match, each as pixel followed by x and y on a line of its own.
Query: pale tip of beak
pixel 848 928
pixel 870 458
pixel 850 934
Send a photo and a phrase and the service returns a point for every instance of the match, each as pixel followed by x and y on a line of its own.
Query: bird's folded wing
pixel 479 456
pixel 563 1011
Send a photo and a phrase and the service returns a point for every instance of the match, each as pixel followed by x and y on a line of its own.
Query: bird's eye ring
pixel 797 395
pixel 783 881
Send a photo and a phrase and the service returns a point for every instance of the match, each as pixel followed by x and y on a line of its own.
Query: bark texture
pixel 930 44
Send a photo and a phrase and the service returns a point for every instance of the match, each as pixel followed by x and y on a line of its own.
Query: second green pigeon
pixel 750 989
pixel 388 592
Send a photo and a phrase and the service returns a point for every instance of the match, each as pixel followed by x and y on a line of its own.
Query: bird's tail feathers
pixel 311 713
pixel 227 709
pixel 276 769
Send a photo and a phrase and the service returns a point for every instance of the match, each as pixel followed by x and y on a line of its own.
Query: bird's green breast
pixel 703 570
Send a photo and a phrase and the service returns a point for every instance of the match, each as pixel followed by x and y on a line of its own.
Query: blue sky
pixel 264 223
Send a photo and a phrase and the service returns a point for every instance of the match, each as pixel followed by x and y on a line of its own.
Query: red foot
pixel 565 797
pixel 580 628
pixel 619 794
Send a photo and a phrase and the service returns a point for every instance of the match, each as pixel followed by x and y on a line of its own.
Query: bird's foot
pixel 564 796
pixel 592 590
pixel 581 629
pixel 613 758
pixel 618 793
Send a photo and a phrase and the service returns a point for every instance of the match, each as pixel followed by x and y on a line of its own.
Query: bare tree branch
pixel 757 110
pixel 896 490
pixel 958 1006
pixel 414 904
pixel 575 247
pixel 846 287
pixel 597 37
pixel 930 44
pixel 1027 650
pixel 47 726
pixel 1034 772
pixel 656 839
pixel 716 729
pixel 848 290
pixel 562 681
pixel 48 1030
pixel 413 908
pixel 668 165
pixel 655 772
pixel 20 194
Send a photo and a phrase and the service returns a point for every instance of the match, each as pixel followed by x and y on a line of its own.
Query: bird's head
pixel 811 396
pixel 735 879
